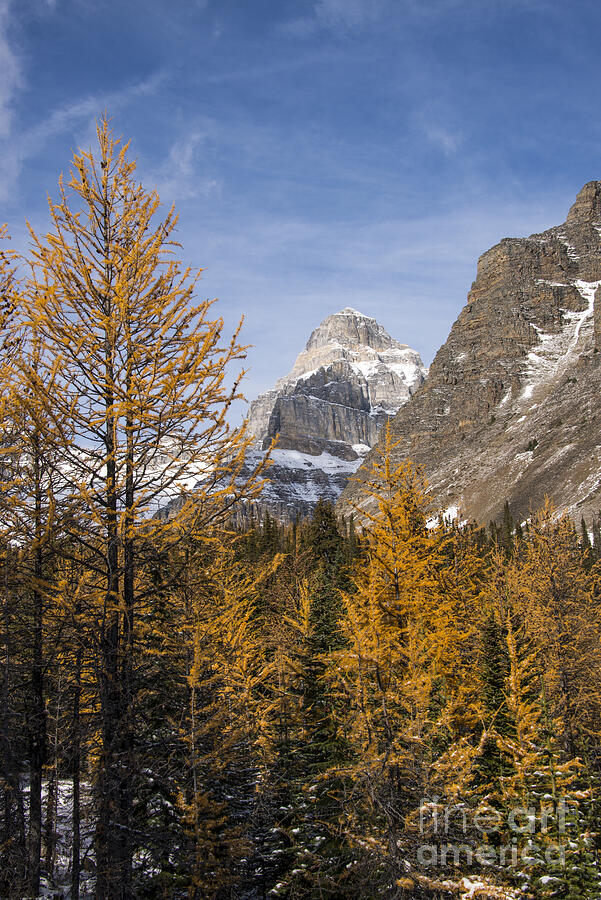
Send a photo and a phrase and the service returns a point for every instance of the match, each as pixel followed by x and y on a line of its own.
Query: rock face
pixel 327 413
pixel 512 405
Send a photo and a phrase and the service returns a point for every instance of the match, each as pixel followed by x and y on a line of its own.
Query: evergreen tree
pixel 313 746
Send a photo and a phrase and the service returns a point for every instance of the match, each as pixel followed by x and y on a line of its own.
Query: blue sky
pixel 321 153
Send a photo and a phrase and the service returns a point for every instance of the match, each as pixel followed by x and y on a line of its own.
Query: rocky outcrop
pixel 328 411
pixel 512 405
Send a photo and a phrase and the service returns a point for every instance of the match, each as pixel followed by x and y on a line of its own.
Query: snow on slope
pixel 552 353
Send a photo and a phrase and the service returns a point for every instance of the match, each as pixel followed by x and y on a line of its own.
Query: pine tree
pixel 506 534
pixel 314 746
pixel 490 765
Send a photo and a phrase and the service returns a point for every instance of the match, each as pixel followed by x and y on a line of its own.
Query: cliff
pixel 512 405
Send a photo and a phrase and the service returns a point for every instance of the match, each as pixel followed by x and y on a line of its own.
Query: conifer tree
pixel 315 745
pixel 13 850
pixel 29 514
pixel 228 726
pixel 543 785
pixel 402 642
pixel 28 518
pixel 555 590
pixel 141 383
pixel 507 530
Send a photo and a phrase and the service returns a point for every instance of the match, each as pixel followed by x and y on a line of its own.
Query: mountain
pixel 328 411
pixel 511 409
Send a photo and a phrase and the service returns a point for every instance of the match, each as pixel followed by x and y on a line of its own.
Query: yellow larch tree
pixel 28 517
pixel 229 727
pixel 557 593
pixel 13 840
pixel 405 635
pixel 142 383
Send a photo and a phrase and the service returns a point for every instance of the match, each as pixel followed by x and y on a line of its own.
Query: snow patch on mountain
pixel 552 353
pixel 294 459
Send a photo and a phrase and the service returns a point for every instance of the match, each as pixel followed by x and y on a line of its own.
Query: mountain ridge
pixel 511 408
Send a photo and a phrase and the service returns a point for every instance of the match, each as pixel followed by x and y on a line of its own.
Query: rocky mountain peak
pixel 587 207
pixel 359 349
pixel 327 412
pixel 350 328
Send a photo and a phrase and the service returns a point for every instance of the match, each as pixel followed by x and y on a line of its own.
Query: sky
pixel 320 153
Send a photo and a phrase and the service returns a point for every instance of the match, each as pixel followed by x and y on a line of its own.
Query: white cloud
pixel 92 106
pixel 412 274
pixel 10 72
pixel 349 15
pixel 337 15
pixel 80 115
pixel 178 177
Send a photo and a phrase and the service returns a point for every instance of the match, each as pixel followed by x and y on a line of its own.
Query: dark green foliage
pixel 494 668
pixel 321 538
pixel 506 536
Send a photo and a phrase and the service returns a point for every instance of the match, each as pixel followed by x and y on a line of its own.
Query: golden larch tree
pixel 143 387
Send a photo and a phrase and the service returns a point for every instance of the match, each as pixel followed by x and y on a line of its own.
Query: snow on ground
pixel 63 814
pixel 406 371
pixel 365 368
pixel 310 477
pixel 587 290
pixel 449 515
pixel 400 363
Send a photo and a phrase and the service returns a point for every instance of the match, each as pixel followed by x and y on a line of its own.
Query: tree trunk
pixel 108 838
pixel 49 829
pixel 37 725
pixel 111 848
pixel 76 773
pixel 127 675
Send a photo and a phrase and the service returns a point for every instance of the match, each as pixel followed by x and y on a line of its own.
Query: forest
pixel 200 702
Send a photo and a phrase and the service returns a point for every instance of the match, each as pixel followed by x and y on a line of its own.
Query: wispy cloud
pixel 80 114
pixel 178 178
pixel 337 15
pixel 72 113
pixel 348 13
pixel 345 16
pixel 11 76
pixel 412 274
pixel 444 138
